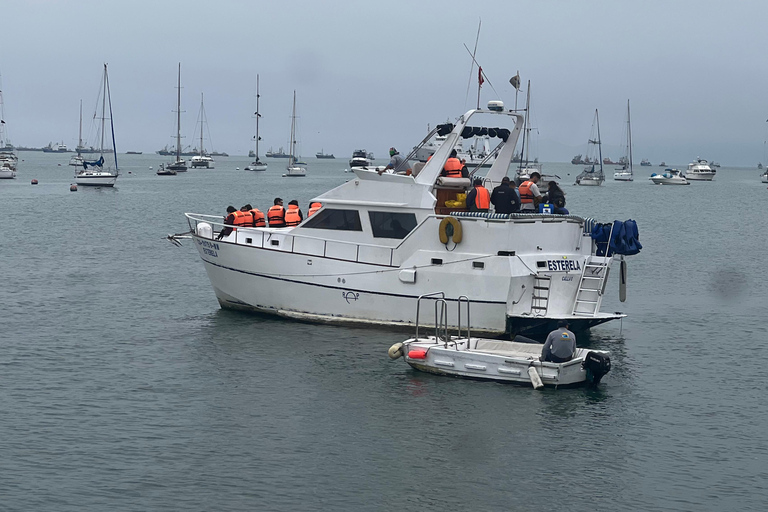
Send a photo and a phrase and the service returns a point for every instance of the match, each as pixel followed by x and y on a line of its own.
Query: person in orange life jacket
pixel 478 199
pixel 397 163
pixel 453 167
pixel 313 207
pixel 256 218
pixel 229 220
pixel 276 214
pixel 293 215
pixel 530 197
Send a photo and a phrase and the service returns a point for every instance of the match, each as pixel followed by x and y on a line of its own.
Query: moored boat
pixel 764 177
pixel 625 172
pixel 322 155
pixel 295 167
pixel 94 173
pixel 256 165
pixel 202 160
pixel 178 165
pixel 645 163
pixel 382 240
pixel 669 177
pixel 8 158
pixel 361 158
pixel 593 175
pixel 700 170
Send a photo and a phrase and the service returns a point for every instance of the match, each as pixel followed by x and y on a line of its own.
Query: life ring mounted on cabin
pixel 450 227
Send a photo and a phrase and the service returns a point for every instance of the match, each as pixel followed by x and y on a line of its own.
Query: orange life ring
pixel 455 229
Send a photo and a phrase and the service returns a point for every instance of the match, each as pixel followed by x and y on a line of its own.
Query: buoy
pixel 417 353
pixel 150 167
pixel 59 165
pixel 73 188
pixel 129 172
pixel 34 182
pixel 237 168
pixel 535 379
pixel 395 351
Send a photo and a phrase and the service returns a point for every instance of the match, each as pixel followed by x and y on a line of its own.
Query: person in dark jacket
pixel 556 196
pixel 504 197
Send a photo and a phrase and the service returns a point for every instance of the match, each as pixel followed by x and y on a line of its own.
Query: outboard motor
pixel 597 365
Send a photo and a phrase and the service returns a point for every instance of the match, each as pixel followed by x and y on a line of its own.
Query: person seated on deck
pixel 229 220
pixel 560 345
pixel 258 219
pixel 453 167
pixel 276 214
pixel 478 199
pixel 293 215
pixel 530 197
pixel 504 197
pixel 556 196
pixel 397 164
pixel 313 207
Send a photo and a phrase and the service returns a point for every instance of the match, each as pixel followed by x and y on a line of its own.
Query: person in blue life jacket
pixel 560 345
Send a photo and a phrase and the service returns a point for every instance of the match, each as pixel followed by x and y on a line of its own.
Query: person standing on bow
pixel 478 199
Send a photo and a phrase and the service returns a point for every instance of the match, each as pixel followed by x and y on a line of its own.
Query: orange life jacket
pixel 313 208
pixel 453 168
pixel 242 218
pixel 258 218
pixel 276 216
pixel 526 196
pixel 483 198
pixel 292 216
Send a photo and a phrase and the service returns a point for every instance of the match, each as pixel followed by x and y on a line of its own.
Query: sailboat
pixel 625 172
pixel 93 173
pixel 592 176
pixel 294 168
pixel 257 165
pixel 179 165
pixel 77 159
pixel 8 158
pixel 202 159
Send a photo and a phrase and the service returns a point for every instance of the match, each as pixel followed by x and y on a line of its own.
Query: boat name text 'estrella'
pixel 562 265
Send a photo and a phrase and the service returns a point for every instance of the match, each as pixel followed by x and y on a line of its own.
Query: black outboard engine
pixel 597 365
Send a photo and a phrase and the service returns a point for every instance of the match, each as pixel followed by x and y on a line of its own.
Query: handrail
pixel 441 317
pixel 418 306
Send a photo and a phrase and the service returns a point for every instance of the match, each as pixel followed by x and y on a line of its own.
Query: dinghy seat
pixel 446 182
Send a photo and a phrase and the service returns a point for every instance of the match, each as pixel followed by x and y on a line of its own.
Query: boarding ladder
pixel 540 297
pixel 591 286
pixel 441 323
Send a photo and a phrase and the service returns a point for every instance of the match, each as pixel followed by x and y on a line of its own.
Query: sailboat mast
pixel 257 118
pixel 80 133
pixel 111 122
pixel 202 117
pixel 527 130
pixel 103 110
pixel 599 143
pixel 629 135
pixel 291 157
pixel 178 117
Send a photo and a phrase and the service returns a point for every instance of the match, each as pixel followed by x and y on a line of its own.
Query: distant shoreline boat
pixel 133 152
pixel 320 154
pixel 276 154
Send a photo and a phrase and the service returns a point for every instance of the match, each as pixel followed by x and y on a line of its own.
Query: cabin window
pixel 392 225
pixel 328 218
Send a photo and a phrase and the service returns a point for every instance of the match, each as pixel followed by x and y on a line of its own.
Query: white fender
pixel 395 351
pixel 623 280
pixel 535 379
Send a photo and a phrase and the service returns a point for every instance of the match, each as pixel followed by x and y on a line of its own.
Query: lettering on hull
pixel 209 248
pixel 563 265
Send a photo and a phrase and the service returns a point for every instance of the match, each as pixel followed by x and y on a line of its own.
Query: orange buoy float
pixel 73 188
pixel 34 182
pixel 417 353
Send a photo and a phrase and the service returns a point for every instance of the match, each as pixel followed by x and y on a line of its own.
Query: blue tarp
pixel 624 240
pixel 97 163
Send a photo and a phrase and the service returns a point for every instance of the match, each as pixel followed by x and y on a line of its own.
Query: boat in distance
pixel 669 177
pixel 380 241
pixel 700 170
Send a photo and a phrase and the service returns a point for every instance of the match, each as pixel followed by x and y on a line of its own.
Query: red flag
pixel 480 77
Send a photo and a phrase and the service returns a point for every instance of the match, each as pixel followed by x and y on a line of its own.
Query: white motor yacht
pixel 382 240
pixel 700 170
pixel 764 177
pixel 7 170
pixel 669 177
pixel 361 158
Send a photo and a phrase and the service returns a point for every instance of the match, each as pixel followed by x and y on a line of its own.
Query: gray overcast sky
pixel 372 75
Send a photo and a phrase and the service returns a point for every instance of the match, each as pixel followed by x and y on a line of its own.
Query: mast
pixel 80 133
pixel 111 122
pixel 599 144
pixel 178 117
pixel 629 135
pixel 257 118
pixel 527 129
pixel 291 157
pixel 202 117
pixel 103 111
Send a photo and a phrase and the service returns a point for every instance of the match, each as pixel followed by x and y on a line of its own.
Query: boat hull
pixel 622 176
pixel 690 176
pixel 7 174
pixel 590 183
pixel 256 167
pixel 96 180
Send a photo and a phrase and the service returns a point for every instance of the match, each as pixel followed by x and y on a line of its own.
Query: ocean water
pixel 124 386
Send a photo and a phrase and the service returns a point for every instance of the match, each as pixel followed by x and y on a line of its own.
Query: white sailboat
pixel 592 176
pixel 8 158
pixel 625 172
pixel 201 160
pixel 93 173
pixel 295 168
pixel 179 165
pixel 526 166
pixel 77 159
pixel 257 165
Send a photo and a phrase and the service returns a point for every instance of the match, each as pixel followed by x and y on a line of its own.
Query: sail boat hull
pixel 256 167
pixel 96 179
pixel 622 176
